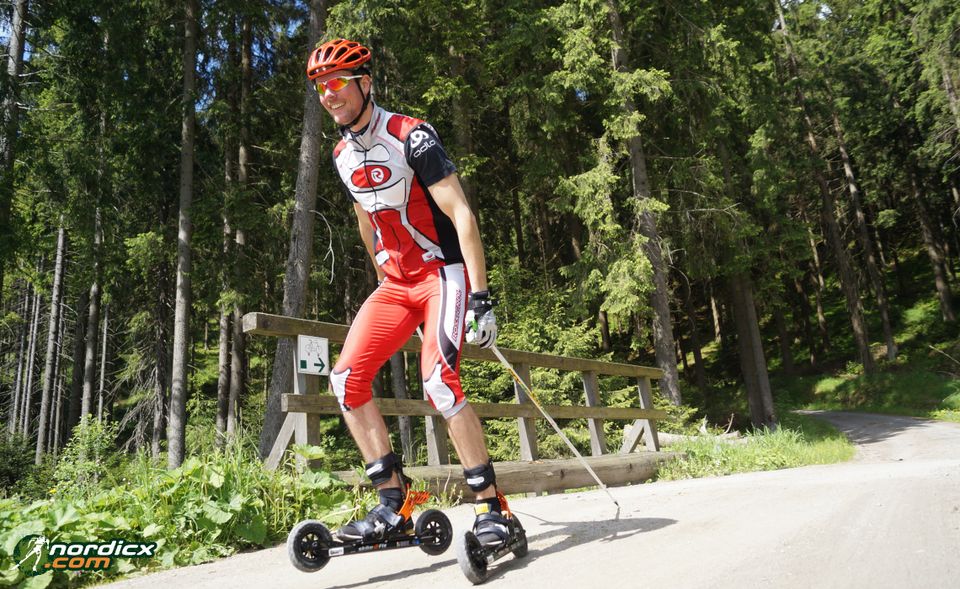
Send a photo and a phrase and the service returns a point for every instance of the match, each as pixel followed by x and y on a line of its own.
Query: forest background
pixel 759 197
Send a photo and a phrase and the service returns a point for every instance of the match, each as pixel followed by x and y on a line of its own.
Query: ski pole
pixel 546 415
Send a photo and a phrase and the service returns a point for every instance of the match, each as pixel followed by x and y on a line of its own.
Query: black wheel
pixel 470 557
pixel 307 545
pixel 434 528
pixel 520 550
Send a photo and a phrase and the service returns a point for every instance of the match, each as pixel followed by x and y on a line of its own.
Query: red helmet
pixel 336 55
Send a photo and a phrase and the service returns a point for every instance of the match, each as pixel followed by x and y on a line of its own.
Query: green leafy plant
pixel 212 506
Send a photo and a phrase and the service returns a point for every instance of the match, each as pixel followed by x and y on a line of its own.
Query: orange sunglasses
pixel 335 84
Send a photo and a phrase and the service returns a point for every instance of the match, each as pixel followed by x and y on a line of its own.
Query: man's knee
pixel 351 390
pixel 446 400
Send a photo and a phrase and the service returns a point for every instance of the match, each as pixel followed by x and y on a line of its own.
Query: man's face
pixel 344 105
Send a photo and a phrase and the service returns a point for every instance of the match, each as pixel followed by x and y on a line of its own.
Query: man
pixel 424 242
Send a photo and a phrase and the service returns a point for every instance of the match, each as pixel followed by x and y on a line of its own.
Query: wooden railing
pixel 303 412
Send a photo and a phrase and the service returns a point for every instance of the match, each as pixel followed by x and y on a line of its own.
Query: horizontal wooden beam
pixel 327 404
pixel 281 326
pixel 539 476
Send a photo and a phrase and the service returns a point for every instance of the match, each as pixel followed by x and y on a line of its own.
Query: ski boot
pixel 493 537
pixel 310 545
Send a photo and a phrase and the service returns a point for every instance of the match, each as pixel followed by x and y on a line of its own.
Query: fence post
pixel 398 371
pixel 644 428
pixel 527 426
pixel 598 441
pixel 438 452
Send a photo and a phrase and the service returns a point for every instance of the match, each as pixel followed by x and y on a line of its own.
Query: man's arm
pixel 448 194
pixel 366 234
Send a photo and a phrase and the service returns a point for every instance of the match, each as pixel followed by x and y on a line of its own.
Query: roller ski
pixel 310 545
pixel 494 535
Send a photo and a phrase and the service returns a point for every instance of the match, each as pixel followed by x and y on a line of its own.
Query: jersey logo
pixel 416 137
pixel 419 137
pixel 370 176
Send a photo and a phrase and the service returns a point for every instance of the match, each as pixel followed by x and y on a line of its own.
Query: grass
pixel 800 441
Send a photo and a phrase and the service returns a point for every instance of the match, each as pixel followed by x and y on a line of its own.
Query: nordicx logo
pixel 370 176
pixel 36 554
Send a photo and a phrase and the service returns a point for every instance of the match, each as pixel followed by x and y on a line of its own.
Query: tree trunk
pixel 934 252
pixel 11 126
pixel 237 374
pixel 79 350
pixel 176 427
pixel 93 324
pixel 681 351
pixel 604 324
pixel 518 227
pixel 784 339
pixel 700 373
pixel 954 213
pixel 398 373
pixel 848 282
pixel 866 242
pixel 52 330
pixel 17 395
pixel 226 267
pixel 58 414
pixel 31 361
pixel 714 314
pixel 101 388
pixel 752 362
pixel 802 315
pixel 161 379
pixel 819 286
pixel 950 89
pixel 647 227
pixel 223 377
pixel 300 255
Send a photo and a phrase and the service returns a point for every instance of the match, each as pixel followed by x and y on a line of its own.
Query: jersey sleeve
pixel 425 154
pixel 336 173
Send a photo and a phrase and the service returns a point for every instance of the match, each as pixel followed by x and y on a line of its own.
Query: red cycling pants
pixel 386 321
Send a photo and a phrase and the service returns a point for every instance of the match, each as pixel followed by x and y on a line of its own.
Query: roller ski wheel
pixel 434 530
pixel 520 549
pixel 474 557
pixel 308 546
pixel 470 556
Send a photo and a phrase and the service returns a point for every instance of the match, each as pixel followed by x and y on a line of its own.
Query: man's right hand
pixel 481 322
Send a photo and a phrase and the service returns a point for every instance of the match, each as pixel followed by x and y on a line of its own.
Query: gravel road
pixel 889 518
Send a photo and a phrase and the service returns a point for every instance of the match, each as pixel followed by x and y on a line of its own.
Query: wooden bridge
pixel 304 407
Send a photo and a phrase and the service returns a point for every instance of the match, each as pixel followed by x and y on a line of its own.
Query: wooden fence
pixel 304 407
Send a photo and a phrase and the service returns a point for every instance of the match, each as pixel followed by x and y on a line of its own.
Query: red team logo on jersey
pixel 370 176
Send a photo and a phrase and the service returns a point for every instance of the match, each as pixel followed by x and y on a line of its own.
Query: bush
pixel 88 456
pixel 16 462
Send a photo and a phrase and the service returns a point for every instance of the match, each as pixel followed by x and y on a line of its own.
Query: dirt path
pixel 890 518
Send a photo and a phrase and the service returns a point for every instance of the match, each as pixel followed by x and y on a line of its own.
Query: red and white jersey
pixel 387 168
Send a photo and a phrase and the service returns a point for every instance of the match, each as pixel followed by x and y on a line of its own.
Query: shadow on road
pixel 404 574
pixel 868 428
pixel 573 534
pixel 576 533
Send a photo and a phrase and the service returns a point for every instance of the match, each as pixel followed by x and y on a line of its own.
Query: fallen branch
pixel 670 439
